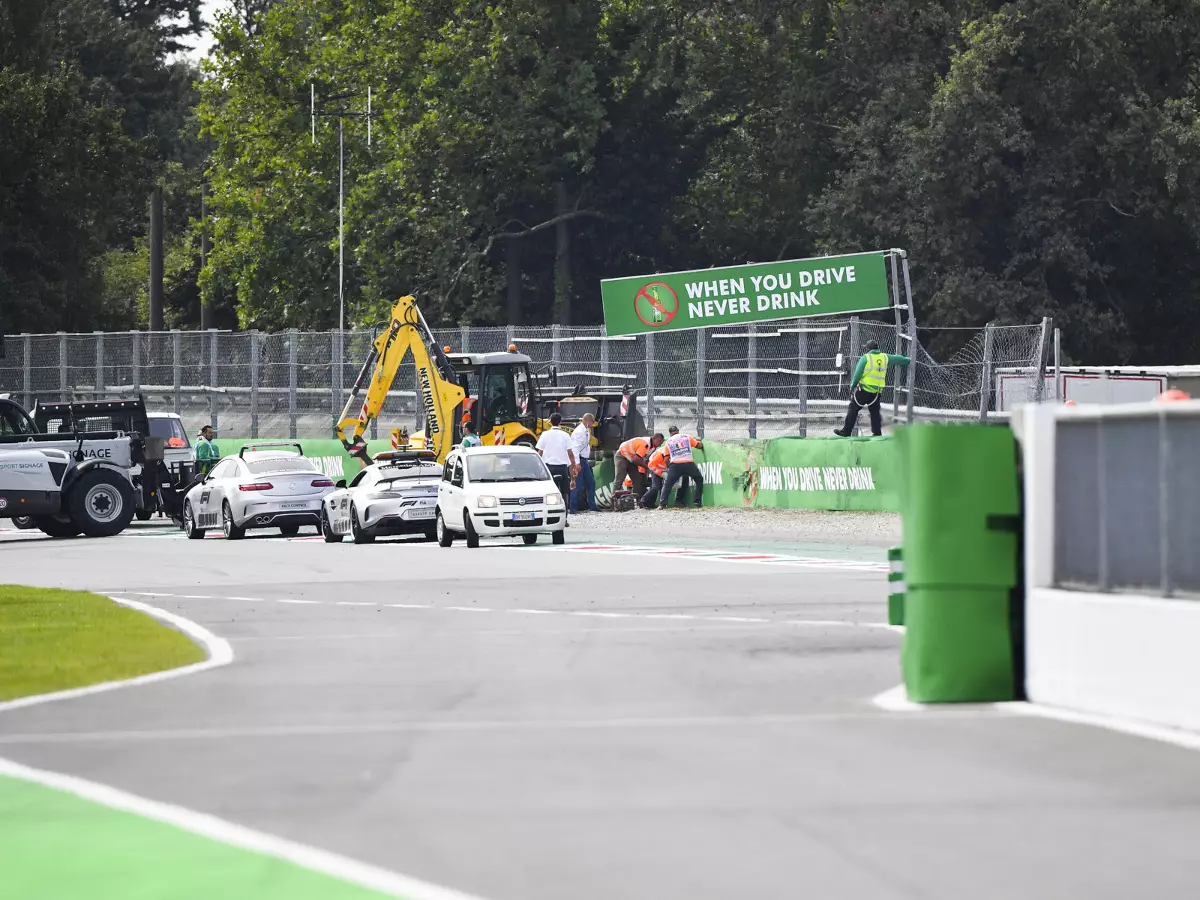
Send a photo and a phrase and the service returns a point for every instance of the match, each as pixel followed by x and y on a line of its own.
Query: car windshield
pixel 506 467
pixel 170 430
pixel 279 464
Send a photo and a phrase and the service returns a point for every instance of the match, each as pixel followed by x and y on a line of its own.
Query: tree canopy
pixel 1035 157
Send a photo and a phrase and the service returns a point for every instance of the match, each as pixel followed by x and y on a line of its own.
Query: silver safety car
pixel 267 485
pixel 396 495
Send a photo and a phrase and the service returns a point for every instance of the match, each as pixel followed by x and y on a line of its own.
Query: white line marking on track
pixel 408 605
pixel 667 616
pixel 247 599
pixel 357 603
pixel 218 650
pixel 310 858
pixel 469 608
pixel 196 597
pixel 602 615
pixel 301 602
pixel 534 612
pixel 142 594
pixel 734 619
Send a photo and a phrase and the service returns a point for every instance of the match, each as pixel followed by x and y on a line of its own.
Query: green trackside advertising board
pixel 801 473
pixel 739 295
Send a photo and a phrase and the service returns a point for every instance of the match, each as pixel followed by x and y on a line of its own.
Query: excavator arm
pixel 439 391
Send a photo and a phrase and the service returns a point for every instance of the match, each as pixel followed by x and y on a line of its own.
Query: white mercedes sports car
pixel 264 486
pixel 397 495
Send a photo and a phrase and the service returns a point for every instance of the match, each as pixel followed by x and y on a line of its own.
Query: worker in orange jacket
pixel 632 457
pixel 657 466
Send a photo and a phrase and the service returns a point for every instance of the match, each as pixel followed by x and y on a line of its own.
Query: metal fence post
pixel 854 352
pixel 899 332
pixel 510 336
pixel 700 367
pixel 135 360
pixel 802 359
pixel 1043 345
pixel 752 380
pixel 912 341
pixel 1164 499
pixel 649 415
pixel 604 353
pixel 254 353
pixel 99 391
pixel 1058 376
pixel 212 378
pixel 27 352
pixel 465 337
pixel 555 346
pixel 293 340
pixel 985 377
pixel 177 362
pixel 63 390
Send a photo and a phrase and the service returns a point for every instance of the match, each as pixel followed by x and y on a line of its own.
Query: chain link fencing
pixel 790 378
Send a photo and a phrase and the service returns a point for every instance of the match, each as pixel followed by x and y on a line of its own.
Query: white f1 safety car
pixel 397 495
pixel 263 486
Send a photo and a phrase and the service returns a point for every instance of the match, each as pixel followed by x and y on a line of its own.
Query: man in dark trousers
pixel 866 388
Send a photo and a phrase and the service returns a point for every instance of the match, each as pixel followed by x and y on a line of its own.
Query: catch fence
pixel 727 383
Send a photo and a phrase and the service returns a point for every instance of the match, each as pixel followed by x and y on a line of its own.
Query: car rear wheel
pixel 560 537
pixel 472 534
pixel 431 534
pixel 289 530
pixel 445 537
pixel 327 531
pixel 24 522
pixel 189 523
pixel 529 539
pixel 361 535
pixel 143 515
pixel 228 526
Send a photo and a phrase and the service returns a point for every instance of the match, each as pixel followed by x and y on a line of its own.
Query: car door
pixel 211 495
pixel 361 483
pixel 450 493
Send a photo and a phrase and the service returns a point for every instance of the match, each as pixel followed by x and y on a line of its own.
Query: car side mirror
pixel 340 483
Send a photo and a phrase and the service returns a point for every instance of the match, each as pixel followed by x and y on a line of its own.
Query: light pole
pixel 342 112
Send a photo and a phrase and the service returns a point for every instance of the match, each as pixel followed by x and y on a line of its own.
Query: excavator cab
pixel 501 396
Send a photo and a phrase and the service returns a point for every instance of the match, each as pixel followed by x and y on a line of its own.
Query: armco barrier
pixel 783 473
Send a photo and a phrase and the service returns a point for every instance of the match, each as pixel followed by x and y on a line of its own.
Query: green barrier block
pixel 956 645
pixel 896 586
pixel 960 506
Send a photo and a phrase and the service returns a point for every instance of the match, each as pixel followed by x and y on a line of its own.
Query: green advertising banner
pixel 676 301
pixel 801 473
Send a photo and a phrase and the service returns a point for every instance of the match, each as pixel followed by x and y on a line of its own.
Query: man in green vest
pixel 207 454
pixel 870 376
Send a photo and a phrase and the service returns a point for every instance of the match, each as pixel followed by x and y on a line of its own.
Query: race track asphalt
pixel 536 723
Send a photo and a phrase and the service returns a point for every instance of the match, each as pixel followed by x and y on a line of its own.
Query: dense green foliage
pixel 1035 157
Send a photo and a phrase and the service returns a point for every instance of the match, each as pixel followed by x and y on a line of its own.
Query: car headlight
pixel 554 499
pixel 485 502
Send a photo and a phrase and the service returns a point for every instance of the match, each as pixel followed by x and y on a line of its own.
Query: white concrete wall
pixel 1113 654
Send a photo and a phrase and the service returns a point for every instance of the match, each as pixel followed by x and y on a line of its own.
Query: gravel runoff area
pixel 872 528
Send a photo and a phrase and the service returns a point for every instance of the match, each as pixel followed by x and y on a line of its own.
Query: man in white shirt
pixel 554 446
pixel 585 482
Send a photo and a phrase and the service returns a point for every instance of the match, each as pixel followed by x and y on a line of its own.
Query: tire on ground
pixel 101 502
pixel 56 526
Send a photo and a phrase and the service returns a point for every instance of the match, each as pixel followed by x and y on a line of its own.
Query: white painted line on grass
pixel 218 650
pixel 211 827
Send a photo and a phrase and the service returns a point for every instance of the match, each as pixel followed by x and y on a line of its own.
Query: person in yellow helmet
pixel 866 388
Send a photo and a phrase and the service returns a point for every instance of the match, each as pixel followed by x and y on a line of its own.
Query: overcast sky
pixel 209 10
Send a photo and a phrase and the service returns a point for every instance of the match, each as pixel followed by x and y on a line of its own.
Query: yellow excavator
pixel 495 391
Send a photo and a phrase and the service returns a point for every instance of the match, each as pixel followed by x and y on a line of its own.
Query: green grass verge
pixel 52 640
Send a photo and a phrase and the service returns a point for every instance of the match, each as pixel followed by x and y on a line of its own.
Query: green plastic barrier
pixel 960 506
pixel 896 586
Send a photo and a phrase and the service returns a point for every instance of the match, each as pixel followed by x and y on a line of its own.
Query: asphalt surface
pixel 544 723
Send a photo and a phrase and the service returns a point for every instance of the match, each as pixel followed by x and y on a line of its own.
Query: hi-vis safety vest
pixel 874 376
pixel 633 448
pixel 679 448
pixel 658 461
